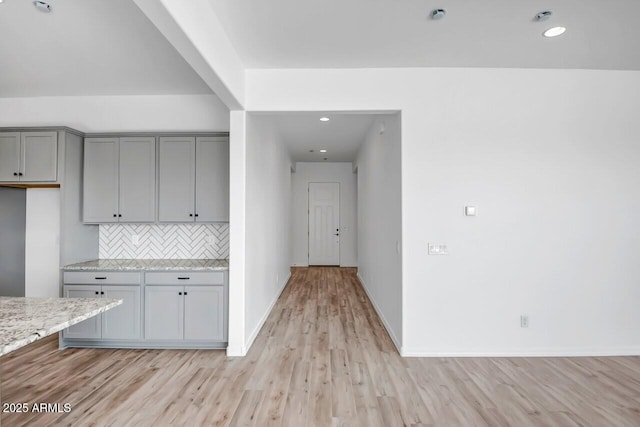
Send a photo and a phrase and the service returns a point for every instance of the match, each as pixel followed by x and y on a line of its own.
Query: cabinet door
pixel 176 189
pixel 137 201
pixel 9 156
pixel 163 312
pixel 90 328
pixel 204 313
pixel 39 157
pixel 100 191
pixel 123 321
pixel 212 179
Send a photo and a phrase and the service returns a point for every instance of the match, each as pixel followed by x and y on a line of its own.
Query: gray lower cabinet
pixel 204 313
pixel 194 312
pixel 90 328
pixel 163 312
pixel 119 323
pixel 184 313
pixel 174 309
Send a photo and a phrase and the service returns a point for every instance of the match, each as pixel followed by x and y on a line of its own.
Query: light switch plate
pixel 470 210
pixel 438 249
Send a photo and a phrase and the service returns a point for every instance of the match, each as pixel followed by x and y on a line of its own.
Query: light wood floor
pixel 322 359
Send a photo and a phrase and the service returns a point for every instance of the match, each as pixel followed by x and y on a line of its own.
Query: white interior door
pixel 324 223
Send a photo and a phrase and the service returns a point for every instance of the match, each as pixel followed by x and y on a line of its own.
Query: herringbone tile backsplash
pixel 164 241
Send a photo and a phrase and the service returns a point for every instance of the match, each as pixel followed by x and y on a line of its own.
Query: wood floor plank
pixel 245 414
pixel 322 358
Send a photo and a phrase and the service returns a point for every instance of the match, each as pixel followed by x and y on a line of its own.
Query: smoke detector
pixel 42 6
pixel 543 16
pixel 438 14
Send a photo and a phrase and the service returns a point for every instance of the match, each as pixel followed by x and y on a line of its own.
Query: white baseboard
pixel 236 351
pixel 256 330
pixel 386 324
pixel 537 352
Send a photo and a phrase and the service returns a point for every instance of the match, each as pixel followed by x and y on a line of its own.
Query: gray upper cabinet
pixel 39 156
pixel 100 192
pixel 29 156
pixel 212 179
pixel 9 156
pixel 193 179
pixel 137 180
pixel 119 180
pixel 176 186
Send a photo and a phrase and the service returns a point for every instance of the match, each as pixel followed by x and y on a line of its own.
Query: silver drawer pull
pixel 100 278
pixel 183 278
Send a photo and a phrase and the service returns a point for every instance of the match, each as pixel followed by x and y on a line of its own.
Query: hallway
pixel 323 358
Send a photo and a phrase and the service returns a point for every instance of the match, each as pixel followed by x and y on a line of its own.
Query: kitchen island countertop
pixel 150 265
pixel 25 320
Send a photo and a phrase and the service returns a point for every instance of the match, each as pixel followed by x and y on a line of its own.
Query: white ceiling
pixel 88 47
pixel 397 33
pixel 341 136
pixel 108 47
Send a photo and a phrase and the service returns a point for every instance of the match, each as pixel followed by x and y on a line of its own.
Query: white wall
pixel 380 222
pixel 42 243
pixel 268 212
pixel 323 172
pixel 549 157
pixel 118 113
pixel 237 231
pixel 197 34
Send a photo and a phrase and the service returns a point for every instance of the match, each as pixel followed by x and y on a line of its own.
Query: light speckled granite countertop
pixel 150 265
pixel 25 320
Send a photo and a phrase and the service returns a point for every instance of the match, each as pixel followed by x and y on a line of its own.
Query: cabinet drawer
pixel 101 278
pixel 185 278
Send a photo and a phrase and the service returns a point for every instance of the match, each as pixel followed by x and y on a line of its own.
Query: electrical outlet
pixel 135 240
pixel 210 240
pixel 438 249
pixel 524 321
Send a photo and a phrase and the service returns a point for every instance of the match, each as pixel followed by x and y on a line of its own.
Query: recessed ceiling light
pixel 323 151
pixel 554 31
pixel 324 119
